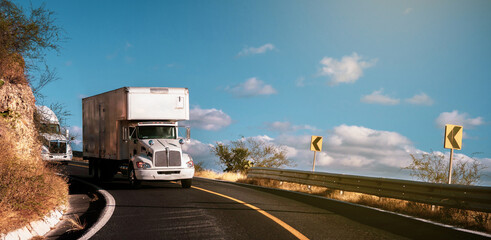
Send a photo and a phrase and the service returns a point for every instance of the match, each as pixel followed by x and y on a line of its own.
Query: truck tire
pixel 107 170
pixel 186 183
pixel 132 178
pixel 96 170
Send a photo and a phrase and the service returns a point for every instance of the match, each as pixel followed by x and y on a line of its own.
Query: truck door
pixel 102 130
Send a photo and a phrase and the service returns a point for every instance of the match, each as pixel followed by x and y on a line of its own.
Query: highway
pixel 218 210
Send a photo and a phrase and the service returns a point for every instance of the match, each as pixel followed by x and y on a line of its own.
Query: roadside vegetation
pixel 29 189
pixel 242 154
pixel 433 167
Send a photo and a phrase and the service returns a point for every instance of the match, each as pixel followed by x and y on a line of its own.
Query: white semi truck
pixel 56 146
pixel 135 131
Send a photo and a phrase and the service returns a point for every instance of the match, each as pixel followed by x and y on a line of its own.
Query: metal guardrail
pixel 450 195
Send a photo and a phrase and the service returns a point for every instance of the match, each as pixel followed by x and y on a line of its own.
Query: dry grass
pixel 474 220
pixel 227 176
pixel 29 189
pixel 76 224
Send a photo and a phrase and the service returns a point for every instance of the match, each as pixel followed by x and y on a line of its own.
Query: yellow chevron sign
pixel 453 137
pixel 316 144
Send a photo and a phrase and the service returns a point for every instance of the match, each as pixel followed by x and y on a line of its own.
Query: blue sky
pixel 377 79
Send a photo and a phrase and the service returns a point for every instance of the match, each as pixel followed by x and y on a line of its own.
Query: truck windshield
pixel 50 128
pixel 166 132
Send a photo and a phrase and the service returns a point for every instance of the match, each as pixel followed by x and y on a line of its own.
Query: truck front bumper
pixel 167 174
pixel 56 157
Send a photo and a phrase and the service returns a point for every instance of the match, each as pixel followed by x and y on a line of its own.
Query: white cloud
pixel 258 50
pixel 283 127
pixel 208 119
pixel 251 87
pixel 348 70
pixel 377 97
pixel 457 118
pixel 420 99
pixel 352 148
pixel 201 152
pixel 407 11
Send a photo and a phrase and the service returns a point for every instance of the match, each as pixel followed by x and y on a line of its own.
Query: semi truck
pixel 55 145
pixel 135 131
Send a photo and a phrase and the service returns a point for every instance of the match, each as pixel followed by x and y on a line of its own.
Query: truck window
pixel 50 128
pixel 150 132
pixel 132 132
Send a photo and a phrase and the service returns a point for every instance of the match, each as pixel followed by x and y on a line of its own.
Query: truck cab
pixel 156 154
pixel 56 146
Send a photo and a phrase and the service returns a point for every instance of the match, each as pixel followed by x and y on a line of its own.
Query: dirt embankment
pixel 28 188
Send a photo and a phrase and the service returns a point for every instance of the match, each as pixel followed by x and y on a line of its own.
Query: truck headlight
pixel 190 164
pixel 44 150
pixel 142 165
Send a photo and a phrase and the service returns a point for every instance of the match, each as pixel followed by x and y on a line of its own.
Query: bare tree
pixel 25 36
pixel 433 167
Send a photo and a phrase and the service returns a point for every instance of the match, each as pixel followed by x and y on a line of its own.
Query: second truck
pixel 135 131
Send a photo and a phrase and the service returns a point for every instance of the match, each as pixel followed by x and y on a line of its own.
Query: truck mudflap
pixel 164 174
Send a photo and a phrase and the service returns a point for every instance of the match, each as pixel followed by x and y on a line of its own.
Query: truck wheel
pixel 96 170
pixel 107 171
pixel 186 183
pixel 132 178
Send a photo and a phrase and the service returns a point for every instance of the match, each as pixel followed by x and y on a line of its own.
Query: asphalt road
pixel 167 211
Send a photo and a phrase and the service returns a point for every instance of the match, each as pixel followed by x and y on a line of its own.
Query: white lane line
pixel 106 213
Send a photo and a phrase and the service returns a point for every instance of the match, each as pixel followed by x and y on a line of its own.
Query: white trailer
pixel 135 130
pixel 56 146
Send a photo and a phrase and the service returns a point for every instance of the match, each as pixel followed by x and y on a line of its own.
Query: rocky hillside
pixel 28 188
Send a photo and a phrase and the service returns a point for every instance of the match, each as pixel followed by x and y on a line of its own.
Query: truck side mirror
pixel 67 133
pixel 125 134
pixel 188 134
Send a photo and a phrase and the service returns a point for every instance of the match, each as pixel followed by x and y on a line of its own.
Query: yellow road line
pixel 277 220
pixel 76 165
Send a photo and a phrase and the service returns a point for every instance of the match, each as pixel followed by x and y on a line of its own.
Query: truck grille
pixel 162 161
pixel 57 147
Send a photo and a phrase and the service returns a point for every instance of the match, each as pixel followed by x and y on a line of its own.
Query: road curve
pixel 209 211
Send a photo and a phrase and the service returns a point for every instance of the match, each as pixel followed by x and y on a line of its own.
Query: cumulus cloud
pixel 250 88
pixel 283 127
pixel 457 118
pixel 258 50
pixel 352 148
pixel 201 152
pixel 208 119
pixel 377 97
pixel 347 70
pixel 420 99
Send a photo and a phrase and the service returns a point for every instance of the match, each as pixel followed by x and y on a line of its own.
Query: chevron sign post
pixel 452 140
pixel 316 146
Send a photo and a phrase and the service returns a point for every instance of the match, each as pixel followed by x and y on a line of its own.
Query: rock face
pixel 17 105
